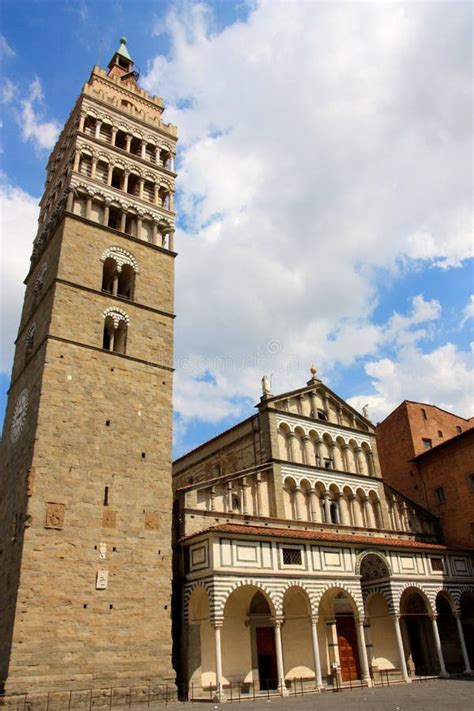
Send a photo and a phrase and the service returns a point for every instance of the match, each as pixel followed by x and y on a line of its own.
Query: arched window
pixel 118 273
pixel 334 512
pixel 321 414
pixel 30 340
pixel 115 330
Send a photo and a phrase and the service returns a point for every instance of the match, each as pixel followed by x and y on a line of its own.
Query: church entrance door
pixel 267 667
pixel 348 650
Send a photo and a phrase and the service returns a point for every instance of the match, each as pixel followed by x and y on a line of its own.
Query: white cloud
pixel 468 311
pixel 43 134
pixel 18 221
pixel 440 377
pixel 8 91
pixel 5 49
pixel 320 144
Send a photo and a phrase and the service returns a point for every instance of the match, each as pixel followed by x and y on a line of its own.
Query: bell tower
pixel 85 539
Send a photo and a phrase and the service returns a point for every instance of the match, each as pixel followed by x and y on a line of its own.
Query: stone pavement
pixel 443 694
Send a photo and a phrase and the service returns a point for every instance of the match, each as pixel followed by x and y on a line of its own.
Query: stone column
pixel 350 506
pixel 171 241
pixel 363 501
pixel 114 135
pixel 357 513
pixel 401 651
pixel 465 656
pixel 369 512
pixel 156 196
pixel 332 453
pixel 327 507
pixel 212 497
pixel 378 514
pixel 110 174
pixel 343 511
pixel 345 457
pixel 317 660
pixel 314 404
pixel 354 422
pixel 139 227
pixel 154 236
pixel 123 221
pixel 245 492
pixel 171 162
pixel 396 517
pixel 157 155
pixel 94 167
pixel 439 649
pixel 333 646
pixel 291 446
pixel 88 208
pixel 143 149
pixel 314 505
pixel 112 339
pixel 319 456
pixel 339 415
pixel 70 201
pixel 217 638
pixel 279 658
pixel 369 644
pixel 258 498
pixel 296 494
pixel 307 449
pixel 229 496
pixel 98 126
pixel 370 462
pixel 106 213
pixel 77 160
pixel 126 173
pixel 128 141
pixel 141 184
pixel 115 284
pixel 82 119
pixel 358 457
pixel 364 663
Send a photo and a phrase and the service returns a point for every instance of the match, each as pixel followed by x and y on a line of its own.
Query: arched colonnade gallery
pixel 253 637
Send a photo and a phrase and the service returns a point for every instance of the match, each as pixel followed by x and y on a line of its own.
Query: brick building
pixel 411 429
pixel 446 476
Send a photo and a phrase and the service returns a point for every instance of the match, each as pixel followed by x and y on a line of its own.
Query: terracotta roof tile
pixel 320 536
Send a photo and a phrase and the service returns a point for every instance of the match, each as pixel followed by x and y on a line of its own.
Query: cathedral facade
pixel 86 452
pixel 297 564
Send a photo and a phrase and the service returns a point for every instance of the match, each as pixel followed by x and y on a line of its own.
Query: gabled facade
pixel 294 561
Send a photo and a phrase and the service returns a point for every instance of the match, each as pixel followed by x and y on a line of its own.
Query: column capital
pixel 395 617
pixel 218 624
pixel 278 620
pixel 314 619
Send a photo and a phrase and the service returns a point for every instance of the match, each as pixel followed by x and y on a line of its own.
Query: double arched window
pixel 115 330
pixel 118 273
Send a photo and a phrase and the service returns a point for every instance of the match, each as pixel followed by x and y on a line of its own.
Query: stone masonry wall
pixel 93 606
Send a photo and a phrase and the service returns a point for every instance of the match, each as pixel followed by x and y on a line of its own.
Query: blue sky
pixel 324 189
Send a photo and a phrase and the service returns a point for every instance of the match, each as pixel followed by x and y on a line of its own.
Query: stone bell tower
pixel 85 539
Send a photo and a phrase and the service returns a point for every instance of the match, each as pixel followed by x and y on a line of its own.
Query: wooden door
pixel 348 650
pixel 267 668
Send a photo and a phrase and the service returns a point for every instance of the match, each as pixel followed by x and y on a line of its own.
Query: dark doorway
pixel 420 635
pixel 267 667
pixel 348 649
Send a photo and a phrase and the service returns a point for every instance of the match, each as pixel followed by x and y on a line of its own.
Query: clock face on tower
pixel 19 415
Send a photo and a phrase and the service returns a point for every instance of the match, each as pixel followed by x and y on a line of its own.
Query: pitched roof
pixel 319 536
pixel 442 445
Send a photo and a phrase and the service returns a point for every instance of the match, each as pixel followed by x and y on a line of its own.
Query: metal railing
pixel 234 692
